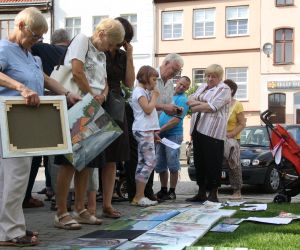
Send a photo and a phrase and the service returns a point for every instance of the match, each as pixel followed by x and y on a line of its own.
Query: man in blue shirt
pixel 171 128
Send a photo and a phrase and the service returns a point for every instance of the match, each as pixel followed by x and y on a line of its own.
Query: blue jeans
pixel 168 158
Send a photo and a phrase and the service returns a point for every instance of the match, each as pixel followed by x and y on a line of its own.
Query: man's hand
pixel 128 47
pixel 31 97
pixel 73 98
pixel 170 109
pixel 156 136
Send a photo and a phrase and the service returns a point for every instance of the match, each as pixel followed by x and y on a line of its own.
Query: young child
pixel 145 123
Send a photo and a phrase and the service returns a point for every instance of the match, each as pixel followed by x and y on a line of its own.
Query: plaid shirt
pixel 214 123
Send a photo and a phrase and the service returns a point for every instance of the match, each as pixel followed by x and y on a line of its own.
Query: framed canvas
pixel 34 131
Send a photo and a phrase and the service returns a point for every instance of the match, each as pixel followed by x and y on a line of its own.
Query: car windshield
pixel 258 136
pixel 255 136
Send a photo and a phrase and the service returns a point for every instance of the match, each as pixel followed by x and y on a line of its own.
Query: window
pixel 284 46
pixel 172 23
pixel 240 77
pixel 237 21
pixel 6 27
pixel 198 77
pixel 204 23
pixel 277 104
pixel 96 20
pixel 284 2
pixel 73 26
pixel 132 18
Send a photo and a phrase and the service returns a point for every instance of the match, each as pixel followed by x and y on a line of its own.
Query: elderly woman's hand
pixel 192 103
pixel 73 98
pixel 31 97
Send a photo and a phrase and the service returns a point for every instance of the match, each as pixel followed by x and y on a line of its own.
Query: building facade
pixel 280 60
pixel 83 16
pixel 222 32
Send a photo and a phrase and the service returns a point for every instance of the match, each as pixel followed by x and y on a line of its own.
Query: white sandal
pixel 144 202
pixel 89 219
pixel 68 225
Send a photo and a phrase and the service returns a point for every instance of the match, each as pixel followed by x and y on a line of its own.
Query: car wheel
pixel 272 180
pixel 122 188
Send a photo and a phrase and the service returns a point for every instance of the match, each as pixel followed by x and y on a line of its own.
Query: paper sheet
pixel 169 143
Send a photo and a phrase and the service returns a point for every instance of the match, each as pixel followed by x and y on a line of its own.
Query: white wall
pixel 142 48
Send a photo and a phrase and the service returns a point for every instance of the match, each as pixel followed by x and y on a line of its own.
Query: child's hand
pixel 155 92
pixel 156 136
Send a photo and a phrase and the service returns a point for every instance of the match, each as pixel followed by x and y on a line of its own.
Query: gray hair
pixel 173 57
pixel 60 36
pixel 32 18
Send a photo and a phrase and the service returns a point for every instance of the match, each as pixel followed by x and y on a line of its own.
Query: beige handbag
pixel 63 74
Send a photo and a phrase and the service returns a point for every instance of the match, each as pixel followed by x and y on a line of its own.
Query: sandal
pixel 84 217
pixel 143 202
pixel 111 213
pixel 32 233
pixel 70 224
pixel 32 203
pixel 24 241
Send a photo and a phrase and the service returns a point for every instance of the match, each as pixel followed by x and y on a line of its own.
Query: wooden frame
pixel 34 131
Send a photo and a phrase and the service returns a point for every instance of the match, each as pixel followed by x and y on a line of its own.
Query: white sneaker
pixel 144 202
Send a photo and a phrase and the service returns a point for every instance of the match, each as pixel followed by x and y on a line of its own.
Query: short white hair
pixel 173 57
pixel 33 19
pixel 113 29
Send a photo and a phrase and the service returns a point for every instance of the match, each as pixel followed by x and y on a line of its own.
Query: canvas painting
pixel 34 131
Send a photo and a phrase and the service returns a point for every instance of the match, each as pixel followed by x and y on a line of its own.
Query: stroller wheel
pixel 282 198
pixel 121 188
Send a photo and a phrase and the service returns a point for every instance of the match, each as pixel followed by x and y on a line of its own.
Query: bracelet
pixel 67 93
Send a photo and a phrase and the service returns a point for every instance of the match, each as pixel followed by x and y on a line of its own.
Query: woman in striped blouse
pixel 210 107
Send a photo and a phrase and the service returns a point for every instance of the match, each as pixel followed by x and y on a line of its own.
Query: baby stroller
pixel 286 153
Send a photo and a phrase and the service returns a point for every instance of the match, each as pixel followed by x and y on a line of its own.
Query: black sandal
pixel 24 241
pixel 31 233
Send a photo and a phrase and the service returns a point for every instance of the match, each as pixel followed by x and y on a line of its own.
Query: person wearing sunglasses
pixel 21 74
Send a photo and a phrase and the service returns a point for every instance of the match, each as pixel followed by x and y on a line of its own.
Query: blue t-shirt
pixel 20 66
pixel 179 100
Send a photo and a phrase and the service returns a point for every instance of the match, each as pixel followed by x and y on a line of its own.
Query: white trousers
pixel 14 176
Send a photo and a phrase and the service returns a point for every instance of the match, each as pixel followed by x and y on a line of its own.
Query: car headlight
pixel 245 162
pixel 255 162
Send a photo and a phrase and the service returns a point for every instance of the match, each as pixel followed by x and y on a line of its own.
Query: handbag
pixel 115 106
pixel 63 74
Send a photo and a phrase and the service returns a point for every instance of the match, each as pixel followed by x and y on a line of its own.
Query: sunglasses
pixel 35 36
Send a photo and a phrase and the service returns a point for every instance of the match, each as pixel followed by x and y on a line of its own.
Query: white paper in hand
pixel 169 143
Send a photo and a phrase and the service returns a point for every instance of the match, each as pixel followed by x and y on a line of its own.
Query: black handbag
pixel 115 106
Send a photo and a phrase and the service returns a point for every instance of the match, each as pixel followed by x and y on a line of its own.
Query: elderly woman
pixel 236 123
pixel 21 74
pixel 88 61
pixel 209 105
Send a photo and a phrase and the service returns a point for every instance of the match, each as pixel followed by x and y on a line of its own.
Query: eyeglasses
pixel 35 36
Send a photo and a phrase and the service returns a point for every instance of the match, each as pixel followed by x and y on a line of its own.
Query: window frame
pixel 240 83
pixel 162 26
pixel 227 19
pixel 284 4
pixel 194 78
pixel 214 23
pixel 134 24
pixel 72 29
pixel 284 42
pixel 94 25
pixel 8 31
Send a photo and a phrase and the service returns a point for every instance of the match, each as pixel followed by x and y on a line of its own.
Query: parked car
pixel 258 166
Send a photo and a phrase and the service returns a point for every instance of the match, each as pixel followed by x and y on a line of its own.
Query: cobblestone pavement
pixel 41 219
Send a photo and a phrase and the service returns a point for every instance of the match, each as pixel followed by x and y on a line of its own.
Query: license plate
pixel 223 175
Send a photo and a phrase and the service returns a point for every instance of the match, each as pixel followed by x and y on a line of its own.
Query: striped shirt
pixel 214 123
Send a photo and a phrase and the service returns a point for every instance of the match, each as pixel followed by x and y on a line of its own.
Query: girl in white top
pixel 145 123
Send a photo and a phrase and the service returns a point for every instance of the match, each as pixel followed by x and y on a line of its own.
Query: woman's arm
pixel 129 76
pixel 80 77
pixel 241 124
pixel 146 105
pixel 31 97
pixel 197 106
pixel 57 88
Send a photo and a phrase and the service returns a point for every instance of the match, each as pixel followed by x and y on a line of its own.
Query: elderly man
pixel 171 128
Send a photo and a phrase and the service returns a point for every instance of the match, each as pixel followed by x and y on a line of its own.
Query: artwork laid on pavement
pixel 34 131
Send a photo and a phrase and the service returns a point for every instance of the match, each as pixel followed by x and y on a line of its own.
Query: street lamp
pixel 268 49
